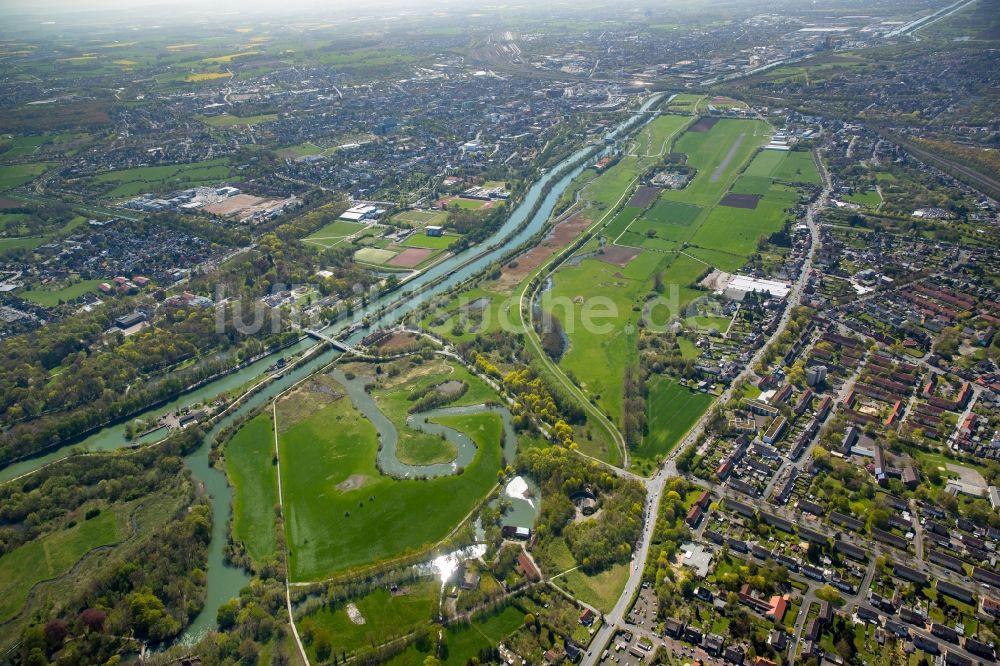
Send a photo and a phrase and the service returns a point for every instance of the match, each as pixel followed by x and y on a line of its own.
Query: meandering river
pixel 526 220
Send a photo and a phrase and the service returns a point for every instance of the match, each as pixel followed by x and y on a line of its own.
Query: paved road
pixel 655 485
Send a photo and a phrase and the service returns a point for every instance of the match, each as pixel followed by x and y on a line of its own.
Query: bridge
pixel 336 344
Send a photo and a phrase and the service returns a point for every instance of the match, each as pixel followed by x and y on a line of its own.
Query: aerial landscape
pixel 431 333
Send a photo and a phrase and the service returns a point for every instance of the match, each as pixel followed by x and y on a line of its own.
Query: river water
pixel 224 581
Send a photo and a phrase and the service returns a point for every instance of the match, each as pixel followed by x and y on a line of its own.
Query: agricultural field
pixel 714 225
pixel 334 493
pixel 738 230
pixel 249 459
pixel 132 182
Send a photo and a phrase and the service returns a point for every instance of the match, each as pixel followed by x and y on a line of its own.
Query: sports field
pixel 334 232
pixel 250 465
pixel 421 218
pixel 342 512
pixel 373 255
pixel 671 410
pixel 421 239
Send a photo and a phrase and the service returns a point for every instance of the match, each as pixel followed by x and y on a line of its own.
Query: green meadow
pixel 340 511
pixel 421 239
pixel 53 555
pixel 250 465
pixel 15 175
pixel 466 641
pixel 386 616
pixel 51 297
pixel 139 180
pixel 671 411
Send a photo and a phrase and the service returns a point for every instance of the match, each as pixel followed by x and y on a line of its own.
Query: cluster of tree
pixel 671 531
pixel 107 378
pixel 660 354
pixel 474 225
pixel 434 396
pixel 597 542
pixel 149 588
pixel 539 399
pixel 552 336
pixel 33 219
pixel 634 426
pixel 55 496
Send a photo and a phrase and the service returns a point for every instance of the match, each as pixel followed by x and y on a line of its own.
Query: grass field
pixel 373 255
pixel 616 345
pixel 737 230
pixel 386 617
pixel 12 147
pixel 32 242
pixel 797 167
pixel 14 175
pixel 421 218
pixel 671 409
pixel 672 212
pixel 684 102
pixel 764 164
pixel 421 239
pixel 224 120
pixel 52 556
pixel 334 232
pixel 50 297
pixel 600 590
pixel 342 512
pixel 249 463
pixel 19 242
pixel 869 199
pixel 130 182
pixel 466 642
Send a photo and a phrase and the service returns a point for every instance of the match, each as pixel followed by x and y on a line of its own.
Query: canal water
pixel 224 581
